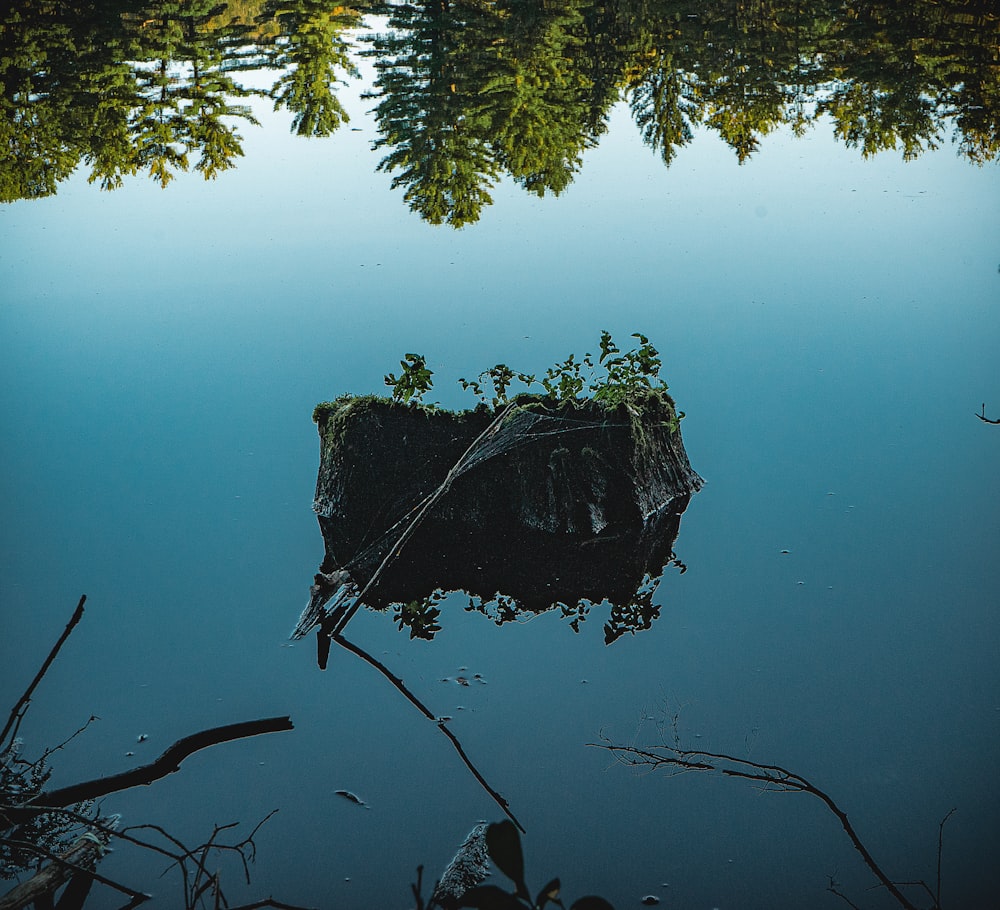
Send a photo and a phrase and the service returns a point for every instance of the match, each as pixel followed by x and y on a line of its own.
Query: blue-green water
pixel 828 323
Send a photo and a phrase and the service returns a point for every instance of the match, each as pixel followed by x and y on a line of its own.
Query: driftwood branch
pixel 13 722
pixel 167 763
pixel 441 724
pixel 78 860
pixel 772 776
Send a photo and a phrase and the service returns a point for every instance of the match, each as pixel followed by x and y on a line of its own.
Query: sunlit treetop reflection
pixel 468 93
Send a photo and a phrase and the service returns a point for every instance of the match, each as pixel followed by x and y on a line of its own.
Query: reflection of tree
pixel 662 110
pixel 429 82
pixel 889 76
pixel 538 94
pixel 121 87
pixel 469 91
pixel 48 96
pixel 132 86
pixel 309 50
pixel 186 92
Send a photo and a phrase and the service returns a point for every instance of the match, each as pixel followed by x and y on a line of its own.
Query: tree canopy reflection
pixel 469 92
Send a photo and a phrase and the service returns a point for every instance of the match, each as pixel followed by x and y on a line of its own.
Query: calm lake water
pixel 829 323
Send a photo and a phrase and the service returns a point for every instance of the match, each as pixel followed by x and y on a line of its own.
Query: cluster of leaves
pixel 414 380
pixel 420 616
pixel 616 377
pixel 503 842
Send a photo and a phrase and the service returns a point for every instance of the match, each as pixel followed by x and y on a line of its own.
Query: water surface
pixel 828 322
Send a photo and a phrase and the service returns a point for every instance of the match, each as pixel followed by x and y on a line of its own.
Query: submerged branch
pixel 441 724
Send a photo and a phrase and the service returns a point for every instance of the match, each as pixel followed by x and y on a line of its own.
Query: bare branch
pixel 982 416
pixel 940 850
pixel 834 888
pixel 167 763
pixel 772 775
pixel 441 725
pixel 14 721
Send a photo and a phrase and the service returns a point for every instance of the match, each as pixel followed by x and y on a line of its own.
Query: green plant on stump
pixel 413 382
pixel 616 379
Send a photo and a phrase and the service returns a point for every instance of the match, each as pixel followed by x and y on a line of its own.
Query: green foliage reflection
pixel 156 87
pixel 468 92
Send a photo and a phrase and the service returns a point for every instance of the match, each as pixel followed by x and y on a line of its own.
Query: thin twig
pixel 17 713
pixel 982 416
pixel 423 709
pixel 834 888
pixel 45 755
pixel 937 896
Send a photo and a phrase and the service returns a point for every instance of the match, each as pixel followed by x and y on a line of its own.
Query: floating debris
pixel 352 798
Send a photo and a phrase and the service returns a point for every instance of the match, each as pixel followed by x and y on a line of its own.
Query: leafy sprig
pixel 413 382
pixel 616 377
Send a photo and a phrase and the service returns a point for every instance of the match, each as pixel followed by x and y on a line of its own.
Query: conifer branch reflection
pixel 468 93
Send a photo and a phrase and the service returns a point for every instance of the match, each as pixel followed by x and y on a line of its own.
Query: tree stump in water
pixel 539 502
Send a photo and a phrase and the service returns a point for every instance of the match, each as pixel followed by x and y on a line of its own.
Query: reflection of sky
pixel 830 327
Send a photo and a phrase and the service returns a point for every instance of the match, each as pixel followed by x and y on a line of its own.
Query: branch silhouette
pixel 781 779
